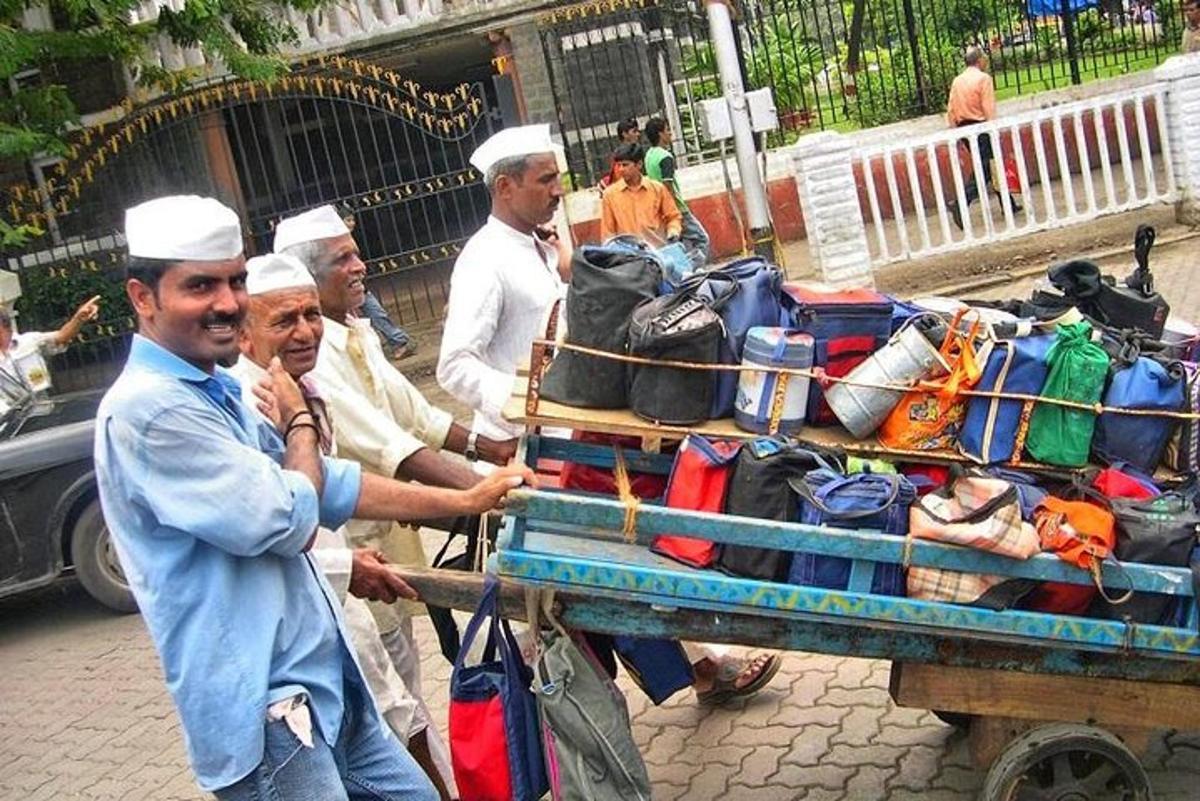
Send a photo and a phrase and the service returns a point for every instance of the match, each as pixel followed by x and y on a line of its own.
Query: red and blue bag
pixel 699 480
pixel 495 735
pixel 847 326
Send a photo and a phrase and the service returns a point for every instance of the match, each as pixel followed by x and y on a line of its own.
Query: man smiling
pixel 284 321
pixel 213 512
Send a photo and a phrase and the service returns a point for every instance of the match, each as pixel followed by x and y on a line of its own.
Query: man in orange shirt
pixel 973 100
pixel 638 205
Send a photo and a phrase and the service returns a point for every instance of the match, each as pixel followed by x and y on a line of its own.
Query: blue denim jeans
pixel 393 335
pixel 366 764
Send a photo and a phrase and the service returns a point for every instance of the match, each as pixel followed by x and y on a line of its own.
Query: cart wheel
pixel 1066 762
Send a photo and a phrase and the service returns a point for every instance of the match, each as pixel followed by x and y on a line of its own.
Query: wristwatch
pixel 472 451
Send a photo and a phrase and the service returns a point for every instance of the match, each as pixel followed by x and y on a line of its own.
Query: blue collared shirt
pixel 211 534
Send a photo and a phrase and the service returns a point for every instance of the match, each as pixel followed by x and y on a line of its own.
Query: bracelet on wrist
pixel 292 419
pixel 296 426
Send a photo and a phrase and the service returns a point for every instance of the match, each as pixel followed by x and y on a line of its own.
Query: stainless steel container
pixel 907 358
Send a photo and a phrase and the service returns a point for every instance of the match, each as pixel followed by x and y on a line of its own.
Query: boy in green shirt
pixel 660 165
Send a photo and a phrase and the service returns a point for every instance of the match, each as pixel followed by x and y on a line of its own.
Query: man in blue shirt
pixel 213 512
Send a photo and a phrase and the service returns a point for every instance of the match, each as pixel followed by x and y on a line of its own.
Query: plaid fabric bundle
pixel 977 512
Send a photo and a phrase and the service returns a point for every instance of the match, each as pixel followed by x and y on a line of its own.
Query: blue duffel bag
pixel 1018 366
pixel 861 501
pixel 1139 439
pixel 754 303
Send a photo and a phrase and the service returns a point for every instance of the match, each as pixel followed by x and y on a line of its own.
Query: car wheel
pixel 96 563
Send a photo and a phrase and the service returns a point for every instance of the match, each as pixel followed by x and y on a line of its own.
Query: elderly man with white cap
pixel 383 422
pixel 213 513
pixel 506 279
pixel 284 321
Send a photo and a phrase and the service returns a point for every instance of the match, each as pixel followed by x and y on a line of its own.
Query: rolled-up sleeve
pixel 208 484
pixel 476 298
pixel 339 496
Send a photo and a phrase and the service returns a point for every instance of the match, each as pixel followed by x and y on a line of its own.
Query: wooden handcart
pixel 1056 706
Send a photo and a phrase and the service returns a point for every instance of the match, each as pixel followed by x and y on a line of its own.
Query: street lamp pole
pixel 720 25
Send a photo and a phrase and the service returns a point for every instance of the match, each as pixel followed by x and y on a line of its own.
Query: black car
pixel 50 520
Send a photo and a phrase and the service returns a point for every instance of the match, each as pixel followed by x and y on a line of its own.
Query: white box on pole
pixel 715 123
pixel 763 116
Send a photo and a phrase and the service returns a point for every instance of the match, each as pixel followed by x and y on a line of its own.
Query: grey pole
pixel 720 25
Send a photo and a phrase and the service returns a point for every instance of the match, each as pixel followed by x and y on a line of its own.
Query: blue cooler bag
pixel 861 501
pixel 989 429
pixel 1139 439
pixel 754 302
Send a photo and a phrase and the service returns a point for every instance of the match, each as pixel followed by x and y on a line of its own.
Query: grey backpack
pixel 590 752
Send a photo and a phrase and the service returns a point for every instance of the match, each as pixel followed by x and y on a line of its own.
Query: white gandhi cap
pixel 183 228
pixel 323 222
pixel 522 140
pixel 274 272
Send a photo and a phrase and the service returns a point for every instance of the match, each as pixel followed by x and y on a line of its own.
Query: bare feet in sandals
pixel 732 677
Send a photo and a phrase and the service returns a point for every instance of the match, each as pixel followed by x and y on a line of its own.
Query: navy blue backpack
pixel 754 302
pixel 861 501
pixel 1139 439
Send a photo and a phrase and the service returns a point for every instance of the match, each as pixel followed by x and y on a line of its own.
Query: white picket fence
pixel 1074 162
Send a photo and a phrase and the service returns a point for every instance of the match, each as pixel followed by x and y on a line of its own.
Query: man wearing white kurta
pixel 504 285
pixel 506 279
pixel 285 321
pixel 22 356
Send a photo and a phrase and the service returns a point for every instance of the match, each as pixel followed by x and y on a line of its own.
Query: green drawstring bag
pixel 1078 369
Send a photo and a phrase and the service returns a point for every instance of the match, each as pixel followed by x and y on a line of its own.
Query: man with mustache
pixel 507 277
pixel 383 422
pixel 213 513
pixel 284 321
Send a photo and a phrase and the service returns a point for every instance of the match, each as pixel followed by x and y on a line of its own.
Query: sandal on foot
pixel 725 686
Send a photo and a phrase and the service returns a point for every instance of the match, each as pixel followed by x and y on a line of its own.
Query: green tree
pixel 246 35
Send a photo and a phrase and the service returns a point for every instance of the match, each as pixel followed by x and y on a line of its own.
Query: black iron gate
pixel 335 130
pixel 611 61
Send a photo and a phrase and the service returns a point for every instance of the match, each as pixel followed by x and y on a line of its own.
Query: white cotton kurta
pixel 382 419
pixel 396 704
pixel 501 291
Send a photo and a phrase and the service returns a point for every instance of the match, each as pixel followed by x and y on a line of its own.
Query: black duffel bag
pixel 1156 531
pixel 759 488
pixel 607 284
pixel 674 328
pixel 1131 305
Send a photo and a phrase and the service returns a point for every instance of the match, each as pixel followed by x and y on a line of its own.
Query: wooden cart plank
pixel 1030 696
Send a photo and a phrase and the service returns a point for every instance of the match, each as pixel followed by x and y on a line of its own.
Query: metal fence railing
pixel 1057 166
pixel 840 64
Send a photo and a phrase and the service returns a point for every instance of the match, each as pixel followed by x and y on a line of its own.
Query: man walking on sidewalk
pixel 972 101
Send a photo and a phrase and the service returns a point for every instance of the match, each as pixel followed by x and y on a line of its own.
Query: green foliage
pixel 50 295
pixel 31 121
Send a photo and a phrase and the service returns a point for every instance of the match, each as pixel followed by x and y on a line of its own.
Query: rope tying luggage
pixel 822 376
pixel 625 493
